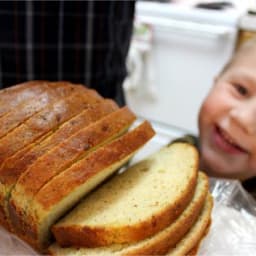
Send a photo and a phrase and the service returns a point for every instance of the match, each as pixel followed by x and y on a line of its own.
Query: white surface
pixel 188 49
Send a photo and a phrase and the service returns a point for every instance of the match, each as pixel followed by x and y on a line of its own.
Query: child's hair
pixel 244 48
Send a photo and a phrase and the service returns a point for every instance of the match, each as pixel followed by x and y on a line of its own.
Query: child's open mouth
pixel 226 143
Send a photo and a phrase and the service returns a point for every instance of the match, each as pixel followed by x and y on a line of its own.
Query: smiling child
pixel 227 119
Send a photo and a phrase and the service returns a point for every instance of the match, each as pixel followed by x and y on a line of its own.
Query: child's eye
pixel 241 89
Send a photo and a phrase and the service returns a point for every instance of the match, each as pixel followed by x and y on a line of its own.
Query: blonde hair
pixel 247 47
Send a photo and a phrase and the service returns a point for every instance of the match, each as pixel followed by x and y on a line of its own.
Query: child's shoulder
pixel 250 186
pixel 188 138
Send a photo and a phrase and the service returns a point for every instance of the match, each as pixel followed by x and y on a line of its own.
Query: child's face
pixel 227 122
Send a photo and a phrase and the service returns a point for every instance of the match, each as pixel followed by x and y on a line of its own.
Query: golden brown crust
pixel 193 251
pixel 31 106
pixel 43 122
pixel 13 96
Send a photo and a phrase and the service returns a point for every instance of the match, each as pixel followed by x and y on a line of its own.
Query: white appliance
pixel 175 54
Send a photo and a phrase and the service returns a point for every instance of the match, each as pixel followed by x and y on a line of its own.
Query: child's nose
pixel 244 116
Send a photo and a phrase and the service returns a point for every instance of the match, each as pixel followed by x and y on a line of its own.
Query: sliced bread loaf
pixel 14 166
pixel 157 244
pixel 43 123
pixel 17 164
pixel 136 204
pixel 62 156
pixel 67 188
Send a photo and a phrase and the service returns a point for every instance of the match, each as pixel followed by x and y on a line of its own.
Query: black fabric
pixel 79 41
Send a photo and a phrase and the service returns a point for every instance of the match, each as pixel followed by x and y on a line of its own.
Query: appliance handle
pixel 187 28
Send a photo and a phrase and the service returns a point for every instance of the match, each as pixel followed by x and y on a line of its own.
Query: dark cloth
pixel 249 185
pixel 78 41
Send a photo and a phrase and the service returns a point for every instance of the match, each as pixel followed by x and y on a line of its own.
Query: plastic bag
pixel 11 245
pixel 233 228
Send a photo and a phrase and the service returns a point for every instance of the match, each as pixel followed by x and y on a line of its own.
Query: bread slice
pixel 44 121
pixel 66 189
pixel 31 106
pixel 14 166
pixel 196 233
pixel 157 244
pixel 160 188
pixel 64 155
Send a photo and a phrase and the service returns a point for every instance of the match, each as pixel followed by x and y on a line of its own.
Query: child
pixel 227 120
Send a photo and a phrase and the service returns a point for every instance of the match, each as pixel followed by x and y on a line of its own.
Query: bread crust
pixel 12 97
pixel 197 232
pixel 31 106
pixel 43 122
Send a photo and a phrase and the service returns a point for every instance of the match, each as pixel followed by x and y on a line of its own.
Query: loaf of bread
pixel 52 132
pixel 61 146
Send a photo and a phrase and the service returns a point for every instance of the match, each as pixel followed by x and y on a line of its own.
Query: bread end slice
pixel 135 204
